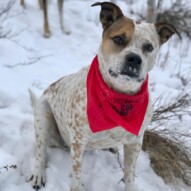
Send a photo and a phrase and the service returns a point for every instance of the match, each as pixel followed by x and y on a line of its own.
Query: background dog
pixel 127 53
pixel 44 6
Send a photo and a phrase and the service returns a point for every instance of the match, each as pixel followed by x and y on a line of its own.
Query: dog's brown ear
pixel 165 31
pixel 109 13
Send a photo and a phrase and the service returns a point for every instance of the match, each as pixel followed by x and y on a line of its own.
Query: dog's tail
pixel 33 98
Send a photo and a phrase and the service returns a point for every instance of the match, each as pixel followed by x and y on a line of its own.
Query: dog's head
pixel 128 48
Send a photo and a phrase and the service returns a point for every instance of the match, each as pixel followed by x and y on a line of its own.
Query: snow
pixel 53 58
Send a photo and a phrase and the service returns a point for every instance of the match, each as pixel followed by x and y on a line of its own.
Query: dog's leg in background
pixel 77 151
pixel 22 2
pixel 60 10
pixel 47 32
pixel 41 4
pixel 42 124
pixel 61 16
pixel 131 153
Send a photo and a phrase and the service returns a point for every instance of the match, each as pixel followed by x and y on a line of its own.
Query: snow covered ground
pixel 27 60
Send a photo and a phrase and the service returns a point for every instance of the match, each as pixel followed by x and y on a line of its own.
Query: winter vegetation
pixel 29 61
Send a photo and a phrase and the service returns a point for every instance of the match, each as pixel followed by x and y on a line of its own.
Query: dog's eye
pixel 148 47
pixel 118 40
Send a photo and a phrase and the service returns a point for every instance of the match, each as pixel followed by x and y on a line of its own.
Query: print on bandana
pixel 107 109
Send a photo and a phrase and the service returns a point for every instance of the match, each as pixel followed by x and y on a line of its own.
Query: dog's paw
pixel 65 30
pixel 37 180
pixel 47 34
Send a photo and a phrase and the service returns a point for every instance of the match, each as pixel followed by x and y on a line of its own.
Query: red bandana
pixel 107 109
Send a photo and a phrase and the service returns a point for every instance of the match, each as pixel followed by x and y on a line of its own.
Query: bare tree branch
pixel 178 14
pixel 6 31
pixel 27 63
pixel 176 108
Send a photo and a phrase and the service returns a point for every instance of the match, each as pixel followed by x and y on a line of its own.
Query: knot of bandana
pixel 107 109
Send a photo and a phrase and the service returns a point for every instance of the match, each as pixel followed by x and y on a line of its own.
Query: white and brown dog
pixel 68 107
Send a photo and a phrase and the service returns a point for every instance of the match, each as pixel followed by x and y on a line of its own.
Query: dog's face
pixel 128 50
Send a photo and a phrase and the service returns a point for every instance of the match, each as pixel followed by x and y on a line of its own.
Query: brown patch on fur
pixel 123 26
pixel 77 167
pixel 79 136
pixel 76 116
pixel 76 148
pixel 49 115
pixel 73 105
pixel 79 121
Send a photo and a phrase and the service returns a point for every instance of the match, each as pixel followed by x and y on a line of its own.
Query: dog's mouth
pixel 131 72
pixel 127 74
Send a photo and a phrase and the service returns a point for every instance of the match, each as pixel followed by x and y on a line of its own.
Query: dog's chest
pixel 118 135
pixel 68 101
pixel 110 138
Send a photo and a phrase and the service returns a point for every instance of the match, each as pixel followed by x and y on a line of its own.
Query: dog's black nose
pixel 132 65
pixel 133 60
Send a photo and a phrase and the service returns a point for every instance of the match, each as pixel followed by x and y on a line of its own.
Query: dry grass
pixel 169 154
pixel 169 158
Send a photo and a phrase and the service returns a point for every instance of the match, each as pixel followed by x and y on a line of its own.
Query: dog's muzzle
pixel 132 65
pixel 130 69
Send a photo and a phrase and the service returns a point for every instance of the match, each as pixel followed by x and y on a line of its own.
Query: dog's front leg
pixel 130 158
pixel 77 150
